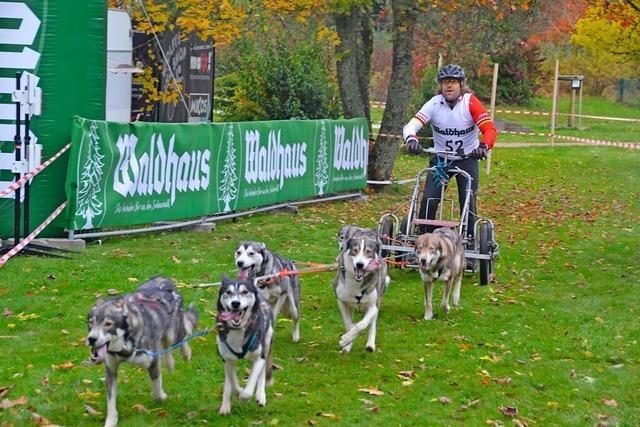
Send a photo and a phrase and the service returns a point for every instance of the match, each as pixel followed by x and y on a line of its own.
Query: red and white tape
pixel 545 113
pixel 35 171
pixel 32 236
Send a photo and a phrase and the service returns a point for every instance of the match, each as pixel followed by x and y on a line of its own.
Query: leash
pixel 175 346
pixel 314 268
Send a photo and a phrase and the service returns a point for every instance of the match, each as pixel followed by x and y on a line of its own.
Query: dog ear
pixel 224 278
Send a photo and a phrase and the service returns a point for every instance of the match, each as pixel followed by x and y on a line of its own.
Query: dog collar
pixel 245 348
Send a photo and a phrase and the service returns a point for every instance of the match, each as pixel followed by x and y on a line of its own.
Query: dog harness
pixel 245 348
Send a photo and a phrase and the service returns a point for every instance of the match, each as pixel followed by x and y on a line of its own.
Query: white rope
pixel 164 57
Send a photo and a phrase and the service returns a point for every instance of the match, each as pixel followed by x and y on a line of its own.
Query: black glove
pixel 413 145
pixel 481 152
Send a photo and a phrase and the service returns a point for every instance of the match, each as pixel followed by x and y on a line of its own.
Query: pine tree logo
pixel 321 174
pixel 228 183
pixel 89 187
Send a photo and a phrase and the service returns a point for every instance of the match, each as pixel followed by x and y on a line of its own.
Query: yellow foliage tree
pixel 610 32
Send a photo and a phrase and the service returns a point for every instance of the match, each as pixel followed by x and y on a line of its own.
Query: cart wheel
pixel 386 236
pixel 403 226
pixel 486 265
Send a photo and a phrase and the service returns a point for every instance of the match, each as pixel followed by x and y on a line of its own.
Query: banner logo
pixel 160 170
pixel 350 154
pixel 89 204
pixel 275 162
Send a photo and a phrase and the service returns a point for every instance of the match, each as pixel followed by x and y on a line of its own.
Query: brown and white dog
pixel 359 284
pixel 440 256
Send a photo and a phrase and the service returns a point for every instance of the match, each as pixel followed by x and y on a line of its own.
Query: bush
pixel 279 80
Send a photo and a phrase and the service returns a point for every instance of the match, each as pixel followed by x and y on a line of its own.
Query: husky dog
pixel 440 257
pixel 360 282
pixel 245 331
pixel 348 231
pixel 282 293
pixel 124 329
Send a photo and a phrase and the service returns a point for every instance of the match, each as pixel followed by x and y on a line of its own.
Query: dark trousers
pixel 432 191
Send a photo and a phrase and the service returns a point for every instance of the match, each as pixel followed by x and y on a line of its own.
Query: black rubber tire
pixel 386 236
pixel 486 265
pixel 403 225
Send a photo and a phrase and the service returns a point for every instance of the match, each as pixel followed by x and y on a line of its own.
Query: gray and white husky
pixel 245 331
pixel 282 293
pixel 151 319
pixel 360 282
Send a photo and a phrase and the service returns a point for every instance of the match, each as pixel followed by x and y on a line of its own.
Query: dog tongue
pixel 244 273
pixel 99 354
pixel 228 315
pixel 373 265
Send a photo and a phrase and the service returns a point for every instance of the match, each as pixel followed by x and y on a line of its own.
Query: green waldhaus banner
pixel 135 173
pixel 64 44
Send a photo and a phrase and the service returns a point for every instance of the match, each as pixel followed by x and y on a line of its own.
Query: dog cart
pixel 400 228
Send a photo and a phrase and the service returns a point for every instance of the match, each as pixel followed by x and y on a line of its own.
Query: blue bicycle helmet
pixel 451 71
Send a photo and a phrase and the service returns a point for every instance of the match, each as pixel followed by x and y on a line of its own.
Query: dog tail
pixel 269 366
pixel 190 319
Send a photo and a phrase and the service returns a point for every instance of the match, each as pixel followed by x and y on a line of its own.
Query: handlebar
pixel 448 155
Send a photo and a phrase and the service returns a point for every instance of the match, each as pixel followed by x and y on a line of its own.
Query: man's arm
pixel 484 121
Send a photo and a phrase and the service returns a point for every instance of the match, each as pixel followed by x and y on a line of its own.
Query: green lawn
pixel 556 337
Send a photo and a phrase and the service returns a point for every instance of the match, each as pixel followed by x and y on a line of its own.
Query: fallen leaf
pixel 373 391
pixel 329 415
pixel 162 413
pixel 140 408
pixel 519 423
pixel 274 422
pixel 112 291
pixel 5 390
pixel 175 259
pixel 64 332
pixel 366 401
pixel 89 395
pixel 6 404
pixel 610 402
pixel 7 313
pixel 64 366
pixel 90 410
pixel 509 411
pixel 39 420
pixel 192 414
pixel 407 374
pixel 311 422
pixel 374 409
pixel 504 381
pixel 554 405
pixel 470 404
pixel 444 400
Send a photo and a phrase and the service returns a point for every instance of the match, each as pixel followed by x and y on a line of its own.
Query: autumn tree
pixel 610 31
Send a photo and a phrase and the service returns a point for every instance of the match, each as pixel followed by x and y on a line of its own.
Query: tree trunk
pixel 383 155
pixel 353 62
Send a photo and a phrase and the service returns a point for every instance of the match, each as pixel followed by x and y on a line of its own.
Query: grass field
pixel 554 342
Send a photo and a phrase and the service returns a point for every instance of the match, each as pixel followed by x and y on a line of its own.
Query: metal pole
pixel 554 102
pixel 17 194
pixel 25 152
pixel 572 107
pixel 494 90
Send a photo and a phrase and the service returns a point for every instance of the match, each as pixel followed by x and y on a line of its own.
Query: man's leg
pixel 431 193
pixel 470 166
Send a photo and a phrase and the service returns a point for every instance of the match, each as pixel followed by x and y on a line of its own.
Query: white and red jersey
pixel 454 128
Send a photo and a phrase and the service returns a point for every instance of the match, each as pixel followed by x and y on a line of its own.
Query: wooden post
pixel 554 102
pixel 572 107
pixel 580 106
pixel 494 89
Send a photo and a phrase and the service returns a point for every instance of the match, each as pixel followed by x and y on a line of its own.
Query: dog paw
pixel 428 316
pixel 162 396
pixel 371 348
pixel 261 400
pixel 295 336
pixel 225 409
pixel 346 349
pixel 244 396
pixel 111 422
pixel 347 339
pixel 446 308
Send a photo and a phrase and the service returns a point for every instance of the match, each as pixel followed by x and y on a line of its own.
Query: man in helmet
pixel 455 115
